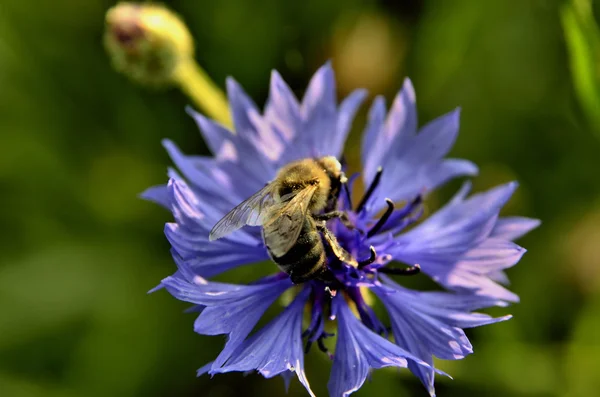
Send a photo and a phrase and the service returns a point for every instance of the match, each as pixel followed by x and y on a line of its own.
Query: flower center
pixel 367 240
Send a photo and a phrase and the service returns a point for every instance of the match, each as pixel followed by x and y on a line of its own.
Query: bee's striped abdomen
pixel 306 259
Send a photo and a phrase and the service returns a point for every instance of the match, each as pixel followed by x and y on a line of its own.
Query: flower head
pixel 464 246
pixel 147 42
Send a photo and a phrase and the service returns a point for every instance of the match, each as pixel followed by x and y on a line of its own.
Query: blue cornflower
pixel 464 246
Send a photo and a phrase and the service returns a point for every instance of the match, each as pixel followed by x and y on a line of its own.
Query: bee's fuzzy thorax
pixel 299 174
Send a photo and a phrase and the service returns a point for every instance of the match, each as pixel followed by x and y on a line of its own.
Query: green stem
pixel 582 37
pixel 196 84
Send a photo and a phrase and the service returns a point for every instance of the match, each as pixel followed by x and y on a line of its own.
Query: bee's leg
pixel 337 249
pixel 335 214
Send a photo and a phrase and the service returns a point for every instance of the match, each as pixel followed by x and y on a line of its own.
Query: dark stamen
pixel 310 332
pixel 405 216
pixel 322 346
pixel 307 346
pixel 370 190
pixel 411 206
pixel 371 259
pixel 409 271
pixel 383 219
pixel 343 163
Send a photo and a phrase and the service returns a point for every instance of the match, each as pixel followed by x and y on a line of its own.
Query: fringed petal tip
pixel 280 338
pixel 157 194
pixel 157 288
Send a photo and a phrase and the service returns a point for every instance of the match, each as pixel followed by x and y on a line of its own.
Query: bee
pixel 293 210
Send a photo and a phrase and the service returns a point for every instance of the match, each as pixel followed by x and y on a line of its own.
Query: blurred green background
pixel 79 142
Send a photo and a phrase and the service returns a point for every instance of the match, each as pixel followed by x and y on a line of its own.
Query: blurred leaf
pixel 583 42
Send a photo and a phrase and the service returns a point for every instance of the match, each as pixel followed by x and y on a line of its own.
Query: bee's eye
pixel 284 190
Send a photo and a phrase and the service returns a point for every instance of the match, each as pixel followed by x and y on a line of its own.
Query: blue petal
pixel 314 128
pixel 478 284
pixel 358 349
pixel 381 140
pixel 430 324
pixel 199 291
pixel 225 180
pixel 287 378
pixel 514 227
pixel 319 114
pixel 283 109
pixel 241 107
pixel 158 194
pixel 403 116
pixel 271 144
pixel 418 166
pixel 441 239
pixel 274 349
pixel 200 171
pixel 186 208
pixel 237 319
pixel 500 277
pixel 433 141
pixel 491 255
pixel 250 126
pixel 229 309
pixel 412 163
pixel 371 153
pixel 253 143
pixel 335 142
pixel 217 262
pixel 320 92
pixel 204 369
pixel 217 138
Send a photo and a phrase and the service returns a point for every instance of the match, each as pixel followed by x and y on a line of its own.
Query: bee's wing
pixel 252 211
pixel 283 228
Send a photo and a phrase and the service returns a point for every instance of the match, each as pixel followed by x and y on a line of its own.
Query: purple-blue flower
pixel 464 247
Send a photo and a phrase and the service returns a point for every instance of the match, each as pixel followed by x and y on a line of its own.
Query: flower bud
pixel 147 42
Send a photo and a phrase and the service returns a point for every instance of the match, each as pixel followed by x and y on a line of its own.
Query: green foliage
pixel 583 42
pixel 79 142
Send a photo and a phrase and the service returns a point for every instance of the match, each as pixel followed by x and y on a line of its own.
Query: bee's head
pixel 333 168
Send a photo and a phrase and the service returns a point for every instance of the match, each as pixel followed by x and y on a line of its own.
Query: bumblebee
pixel 293 210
